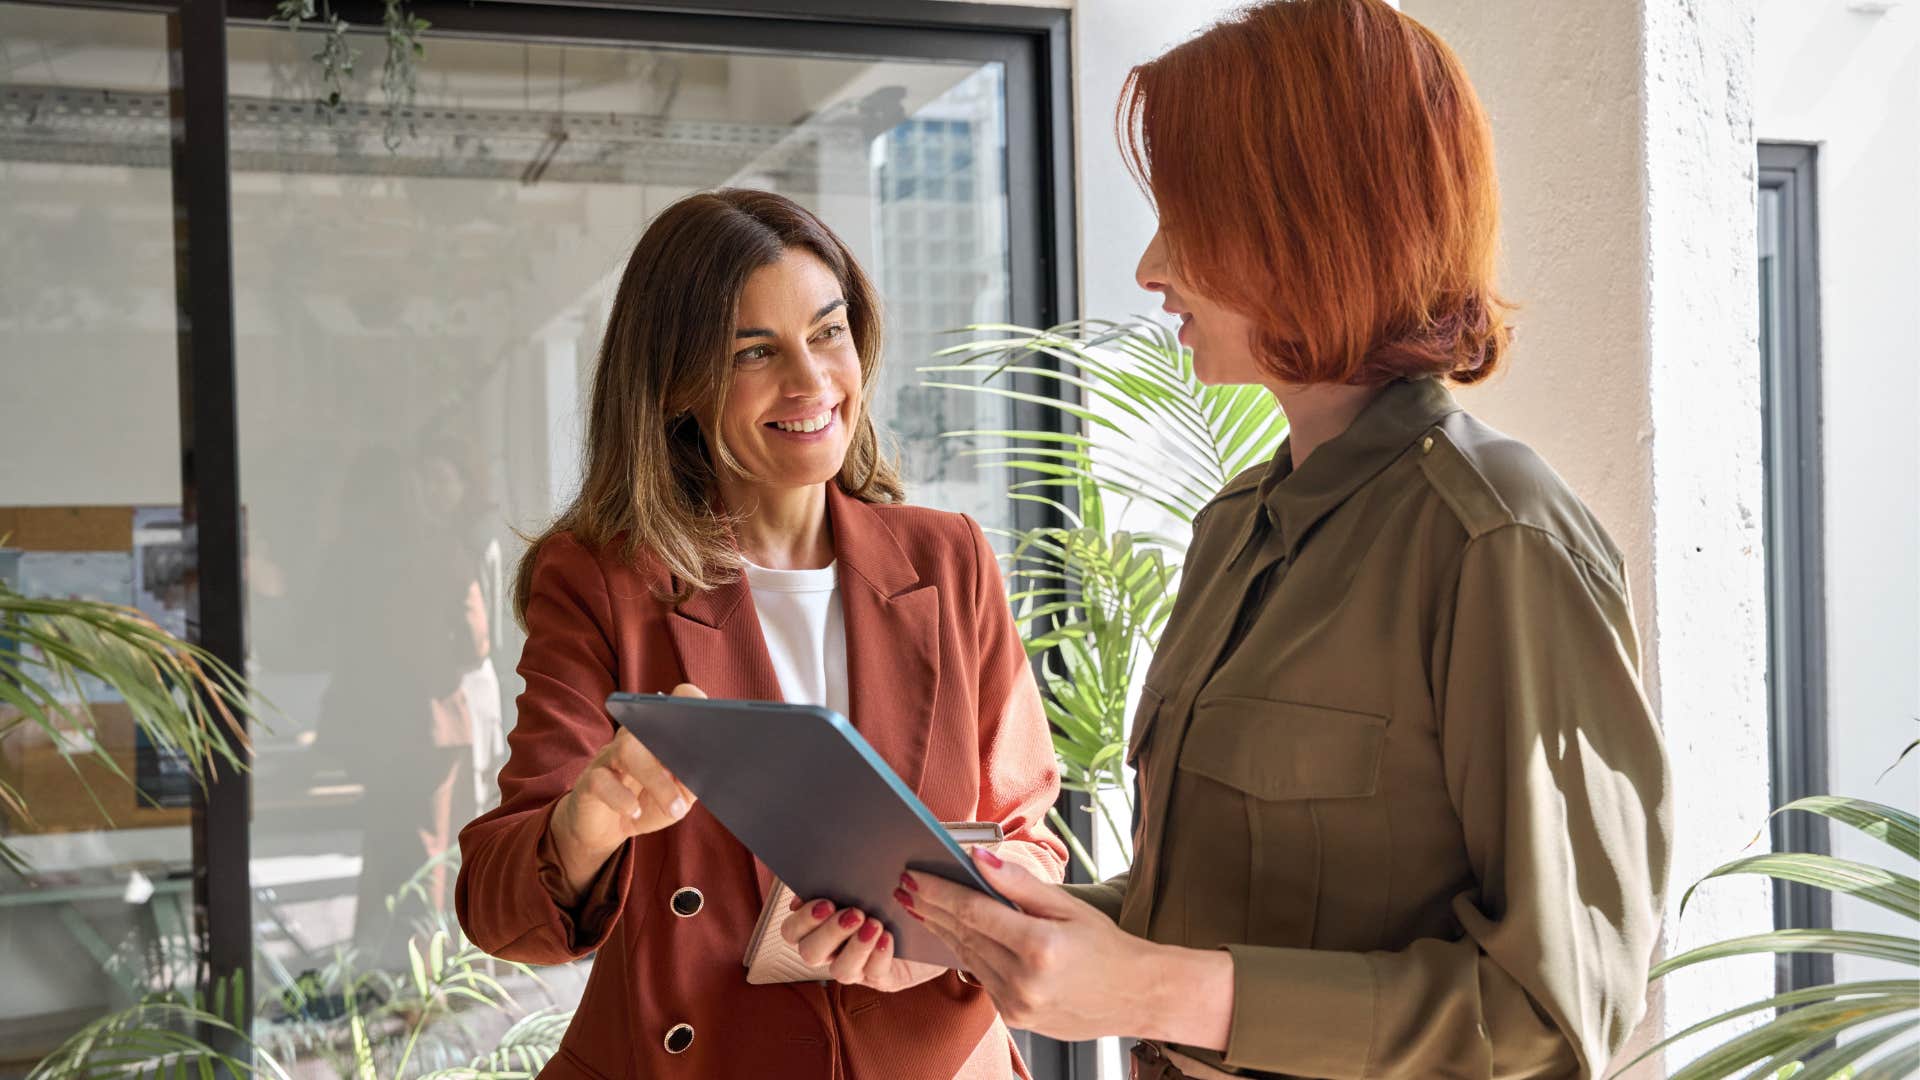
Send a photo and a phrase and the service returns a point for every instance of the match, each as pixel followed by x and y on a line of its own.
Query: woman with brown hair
pixel 1403 805
pixel 739 532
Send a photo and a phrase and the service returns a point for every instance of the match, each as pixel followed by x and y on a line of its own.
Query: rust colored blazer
pixel 939 685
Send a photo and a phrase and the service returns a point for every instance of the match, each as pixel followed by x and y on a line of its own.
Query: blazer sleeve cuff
pixel 587 922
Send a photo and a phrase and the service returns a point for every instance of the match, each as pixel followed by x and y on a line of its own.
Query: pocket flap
pixel 1281 750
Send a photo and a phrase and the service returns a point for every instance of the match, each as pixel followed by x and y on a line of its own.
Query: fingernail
pixel 679 809
pixel 850 919
pixel 868 931
pixel 794 904
pixel 916 915
pixel 886 941
pixel 907 883
pixel 634 814
pixel 900 897
pixel 989 858
pixel 822 909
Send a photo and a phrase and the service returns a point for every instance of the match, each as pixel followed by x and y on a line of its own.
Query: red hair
pixel 1324 167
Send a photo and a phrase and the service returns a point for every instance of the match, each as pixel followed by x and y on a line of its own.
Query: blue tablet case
pixel 803 791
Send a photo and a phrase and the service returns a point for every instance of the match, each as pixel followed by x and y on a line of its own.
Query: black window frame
pixel 1033 44
pixel 1795 561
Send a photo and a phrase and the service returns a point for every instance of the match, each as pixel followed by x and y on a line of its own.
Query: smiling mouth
pixel 806 425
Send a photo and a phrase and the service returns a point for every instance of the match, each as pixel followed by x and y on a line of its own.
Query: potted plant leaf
pixel 1140 436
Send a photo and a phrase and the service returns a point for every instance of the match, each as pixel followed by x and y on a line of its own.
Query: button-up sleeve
pixel 1106 895
pixel 1554 764
pixel 506 892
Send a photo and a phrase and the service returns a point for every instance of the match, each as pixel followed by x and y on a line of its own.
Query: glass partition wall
pixel 416 303
pixel 90 492
pixel 417 329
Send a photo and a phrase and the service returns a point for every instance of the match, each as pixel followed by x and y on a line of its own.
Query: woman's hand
pixel 1059 967
pixel 624 792
pixel 856 947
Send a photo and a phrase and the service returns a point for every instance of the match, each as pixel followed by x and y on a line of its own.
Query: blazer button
pixel 679 1037
pixel 687 901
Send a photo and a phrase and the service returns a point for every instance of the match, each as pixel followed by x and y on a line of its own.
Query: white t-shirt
pixel 806 633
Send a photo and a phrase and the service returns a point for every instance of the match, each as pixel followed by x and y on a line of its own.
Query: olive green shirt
pixel 1393 753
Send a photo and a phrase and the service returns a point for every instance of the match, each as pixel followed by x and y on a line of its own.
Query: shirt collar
pixel 1296 499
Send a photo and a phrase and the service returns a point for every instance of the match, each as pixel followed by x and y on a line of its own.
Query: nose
pixel 1152 272
pixel 809 375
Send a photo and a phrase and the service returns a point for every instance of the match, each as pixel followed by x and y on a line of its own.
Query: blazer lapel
pixel 720 646
pixel 893 637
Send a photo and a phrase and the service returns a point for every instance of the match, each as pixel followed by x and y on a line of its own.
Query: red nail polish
pixel 907 883
pixel 916 915
pixel 794 904
pixel 850 919
pixel 900 896
pixel 990 858
pixel 868 931
pixel 822 909
pixel 886 942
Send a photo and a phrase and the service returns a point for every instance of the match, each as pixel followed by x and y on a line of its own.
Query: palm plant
pixel 184 699
pixel 363 1024
pixel 1139 430
pixel 191 705
pixel 1877 1016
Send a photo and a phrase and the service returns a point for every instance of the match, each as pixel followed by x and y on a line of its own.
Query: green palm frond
pixel 524 1049
pixel 1894 827
pixel 183 698
pixel 1826 1031
pixel 1889 947
pixel 1121 381
pixel 1789 1036
pixel 1140 427
pixel 1896 892
pixel 162 1036
pixel 1840 1060
pixel 1867 992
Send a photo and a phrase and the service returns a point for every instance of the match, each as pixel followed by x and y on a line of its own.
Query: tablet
pixel 803 791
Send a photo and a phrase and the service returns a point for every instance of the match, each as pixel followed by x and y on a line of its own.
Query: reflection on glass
pixel 416 328
pixel 89 509
pixel 1768 236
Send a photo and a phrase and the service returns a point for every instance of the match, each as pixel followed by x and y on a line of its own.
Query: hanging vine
pixel 399 76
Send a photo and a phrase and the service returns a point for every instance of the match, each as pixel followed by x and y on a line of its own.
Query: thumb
pixel 1035 896
pixel 688 690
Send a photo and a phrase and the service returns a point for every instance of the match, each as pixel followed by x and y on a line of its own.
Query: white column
pixel 1624 138
pixel 1709 618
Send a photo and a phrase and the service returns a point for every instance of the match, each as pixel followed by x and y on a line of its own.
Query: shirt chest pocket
pixel 1290 791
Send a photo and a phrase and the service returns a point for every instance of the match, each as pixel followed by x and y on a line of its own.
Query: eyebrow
pixel 756 331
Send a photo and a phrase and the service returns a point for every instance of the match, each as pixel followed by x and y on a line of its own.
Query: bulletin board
pixel 141 556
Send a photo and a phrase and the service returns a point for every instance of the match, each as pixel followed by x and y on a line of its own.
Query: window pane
pixel 417 327
pixel 89 507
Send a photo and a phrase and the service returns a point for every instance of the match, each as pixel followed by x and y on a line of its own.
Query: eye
pixel 829 333
pixel 756 355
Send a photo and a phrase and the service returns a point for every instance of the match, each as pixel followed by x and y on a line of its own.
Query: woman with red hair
pixel 1403 803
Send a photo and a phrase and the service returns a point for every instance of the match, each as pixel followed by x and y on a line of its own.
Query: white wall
pixel 1849 82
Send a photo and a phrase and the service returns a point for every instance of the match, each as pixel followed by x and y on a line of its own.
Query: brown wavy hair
pixel 650 475
pixel 1325 168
